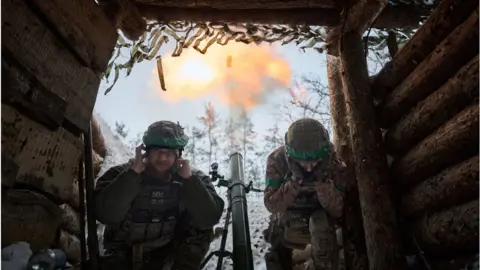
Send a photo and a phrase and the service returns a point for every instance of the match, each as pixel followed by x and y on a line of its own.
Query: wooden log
pixel 84 27
pixel 301 16
pixel 452 186
pixel 393 17
pixel 47 160
pixel 39 51
pixel 29 216
pixel 449 56
pixel 436 109
pixel 74 200
pixel 21 90
pixel 248 4
pixel 126 17
pixel 70 219
pixel 361 14
pixel 454 230
pixel 9 171
pixel 379 219
pixel 338 111
pixel 352 225
pixel 446 16
pixel 450 144
pixel 71 245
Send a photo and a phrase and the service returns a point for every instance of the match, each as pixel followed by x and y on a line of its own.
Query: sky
pixel 138 101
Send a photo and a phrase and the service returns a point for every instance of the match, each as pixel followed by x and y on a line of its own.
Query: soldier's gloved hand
pixel 330 197
pixel 138 164
pixel 289 191
pixel 184 169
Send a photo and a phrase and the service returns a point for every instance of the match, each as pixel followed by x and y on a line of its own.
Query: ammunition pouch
pixel 296 230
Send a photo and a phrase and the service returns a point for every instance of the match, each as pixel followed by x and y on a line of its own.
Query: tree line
pixel 215 136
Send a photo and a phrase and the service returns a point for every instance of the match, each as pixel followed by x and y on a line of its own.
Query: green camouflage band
pixel 273 182
pixel 307 156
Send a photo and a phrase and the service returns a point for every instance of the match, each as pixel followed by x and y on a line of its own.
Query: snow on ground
pixel 258 218
pixel 118 153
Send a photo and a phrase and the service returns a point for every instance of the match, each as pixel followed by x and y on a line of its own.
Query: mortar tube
pixel 242 248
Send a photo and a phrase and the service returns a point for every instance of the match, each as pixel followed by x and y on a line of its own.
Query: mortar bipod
pixel 242 255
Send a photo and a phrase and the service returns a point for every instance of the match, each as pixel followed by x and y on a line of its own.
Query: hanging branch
pixel 160 73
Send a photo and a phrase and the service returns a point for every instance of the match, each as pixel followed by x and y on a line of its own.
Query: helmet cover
pixel 166 134
pixel 307 139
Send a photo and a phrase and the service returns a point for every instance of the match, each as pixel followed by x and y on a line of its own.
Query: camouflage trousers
pixel 323 241
pixel 183 253
pixel 319 231
pixel 279 257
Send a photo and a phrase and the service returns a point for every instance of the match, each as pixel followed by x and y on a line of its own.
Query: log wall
pixel 428 109
pixel 53 55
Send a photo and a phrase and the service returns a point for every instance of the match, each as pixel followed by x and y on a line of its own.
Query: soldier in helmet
pixel 305 191
pixel 157 209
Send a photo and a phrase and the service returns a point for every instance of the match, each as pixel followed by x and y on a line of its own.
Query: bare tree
pixel 248 145
pixel 273 139
pixel 248 133
pixel 121 129
pixel 210 122
pixel 255 172
pixel 133 143
pixel 191 150
pixel 309 98
pixel 231 137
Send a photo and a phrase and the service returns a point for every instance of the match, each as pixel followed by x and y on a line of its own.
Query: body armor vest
pixel 153 216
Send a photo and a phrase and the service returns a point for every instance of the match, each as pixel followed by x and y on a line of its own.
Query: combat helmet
pixel 307 140
pixel 165 134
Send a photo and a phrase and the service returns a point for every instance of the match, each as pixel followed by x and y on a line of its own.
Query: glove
pixel 330 197
pixel 289 191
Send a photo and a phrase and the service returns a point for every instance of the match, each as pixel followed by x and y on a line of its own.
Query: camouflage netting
pixel 145 32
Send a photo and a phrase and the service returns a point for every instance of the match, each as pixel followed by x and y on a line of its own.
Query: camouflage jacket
pixel 328 179
pixel 117 188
